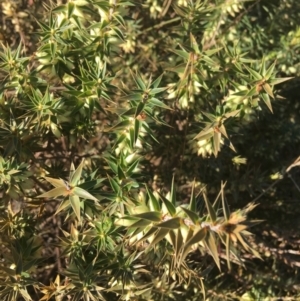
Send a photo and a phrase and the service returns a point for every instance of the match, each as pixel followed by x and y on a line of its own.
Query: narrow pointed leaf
pixel 225 206
pixel 267 101
pixel 181 53
pixel 270 71
pixel 228 242
pixel 19 265
pixel 139 81
pixel 122 125
pixel 276 81
pixel 246 246
pixel 205 134
pixel 132 137
pixel 223 131
pixel 148 234
pixel 156 83
pixel 152 216
pixel 210 116
pixel 62 206
pixel 139 109
pixel 121 174
pixel 215 205
pixel 83 194
pixel 156 102
pixel 192 205
pixel 263 66
pixel 170 207
pixel 74 179
pixel 173 223
pixel 172 238
pixel 173 193
pixel 210 209
pixel 157 90
pixel 54 193
pixel 137 126
pixel 217 137
pixel 255 74
pixel 141 223
pixel 153 203
pixel 179 242
pixel 56 182
pixel 210 242
pixel 232 114
pixel 75 204
pixel 268 89
pixel 114 185
pixel 126 221
pixel 196 238
pixel 191 214
pixel 160 234
pixel 71 8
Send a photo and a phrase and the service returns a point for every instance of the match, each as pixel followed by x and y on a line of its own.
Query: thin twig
pixel 294 164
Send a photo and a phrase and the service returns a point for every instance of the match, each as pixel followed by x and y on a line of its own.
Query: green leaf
pixel 210 242
pixel 139 109
pixel 122 125
pixel 153 203
pixel 126 221
pixel 139 81
pixel 184 54
pixel 19 265
pixel 216 139
pixel 156 83
pixel 121 174
pixel 137 126
pixel 225 206
pixel 148 234
pixel 270 71
pixel 62 206
pixel 75 204
pixel 210 209
pixel 114 185
pixel 141 223
pixel 192 205
pixel 56 182
pixel 207 133
pixel 159 235
pixel 173 193
pixel 156 102
pixel 83 194
pixel 54 193
pixel 268 89
pixel 152 216
pixel 75 177
pixel 276 81
pixel 223 131
pixel 267 101
pixel 25 295
pixel 71 8
pixel 59 9
pixel 157 90
pixel 173 223
pixel 179 242
pixel 191 214
pixel 170 207
pixel 228 242
pixel 255 74
pixel 195 239
pixel 246 246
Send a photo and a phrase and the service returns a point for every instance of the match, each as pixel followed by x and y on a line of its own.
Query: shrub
pixel 104 129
